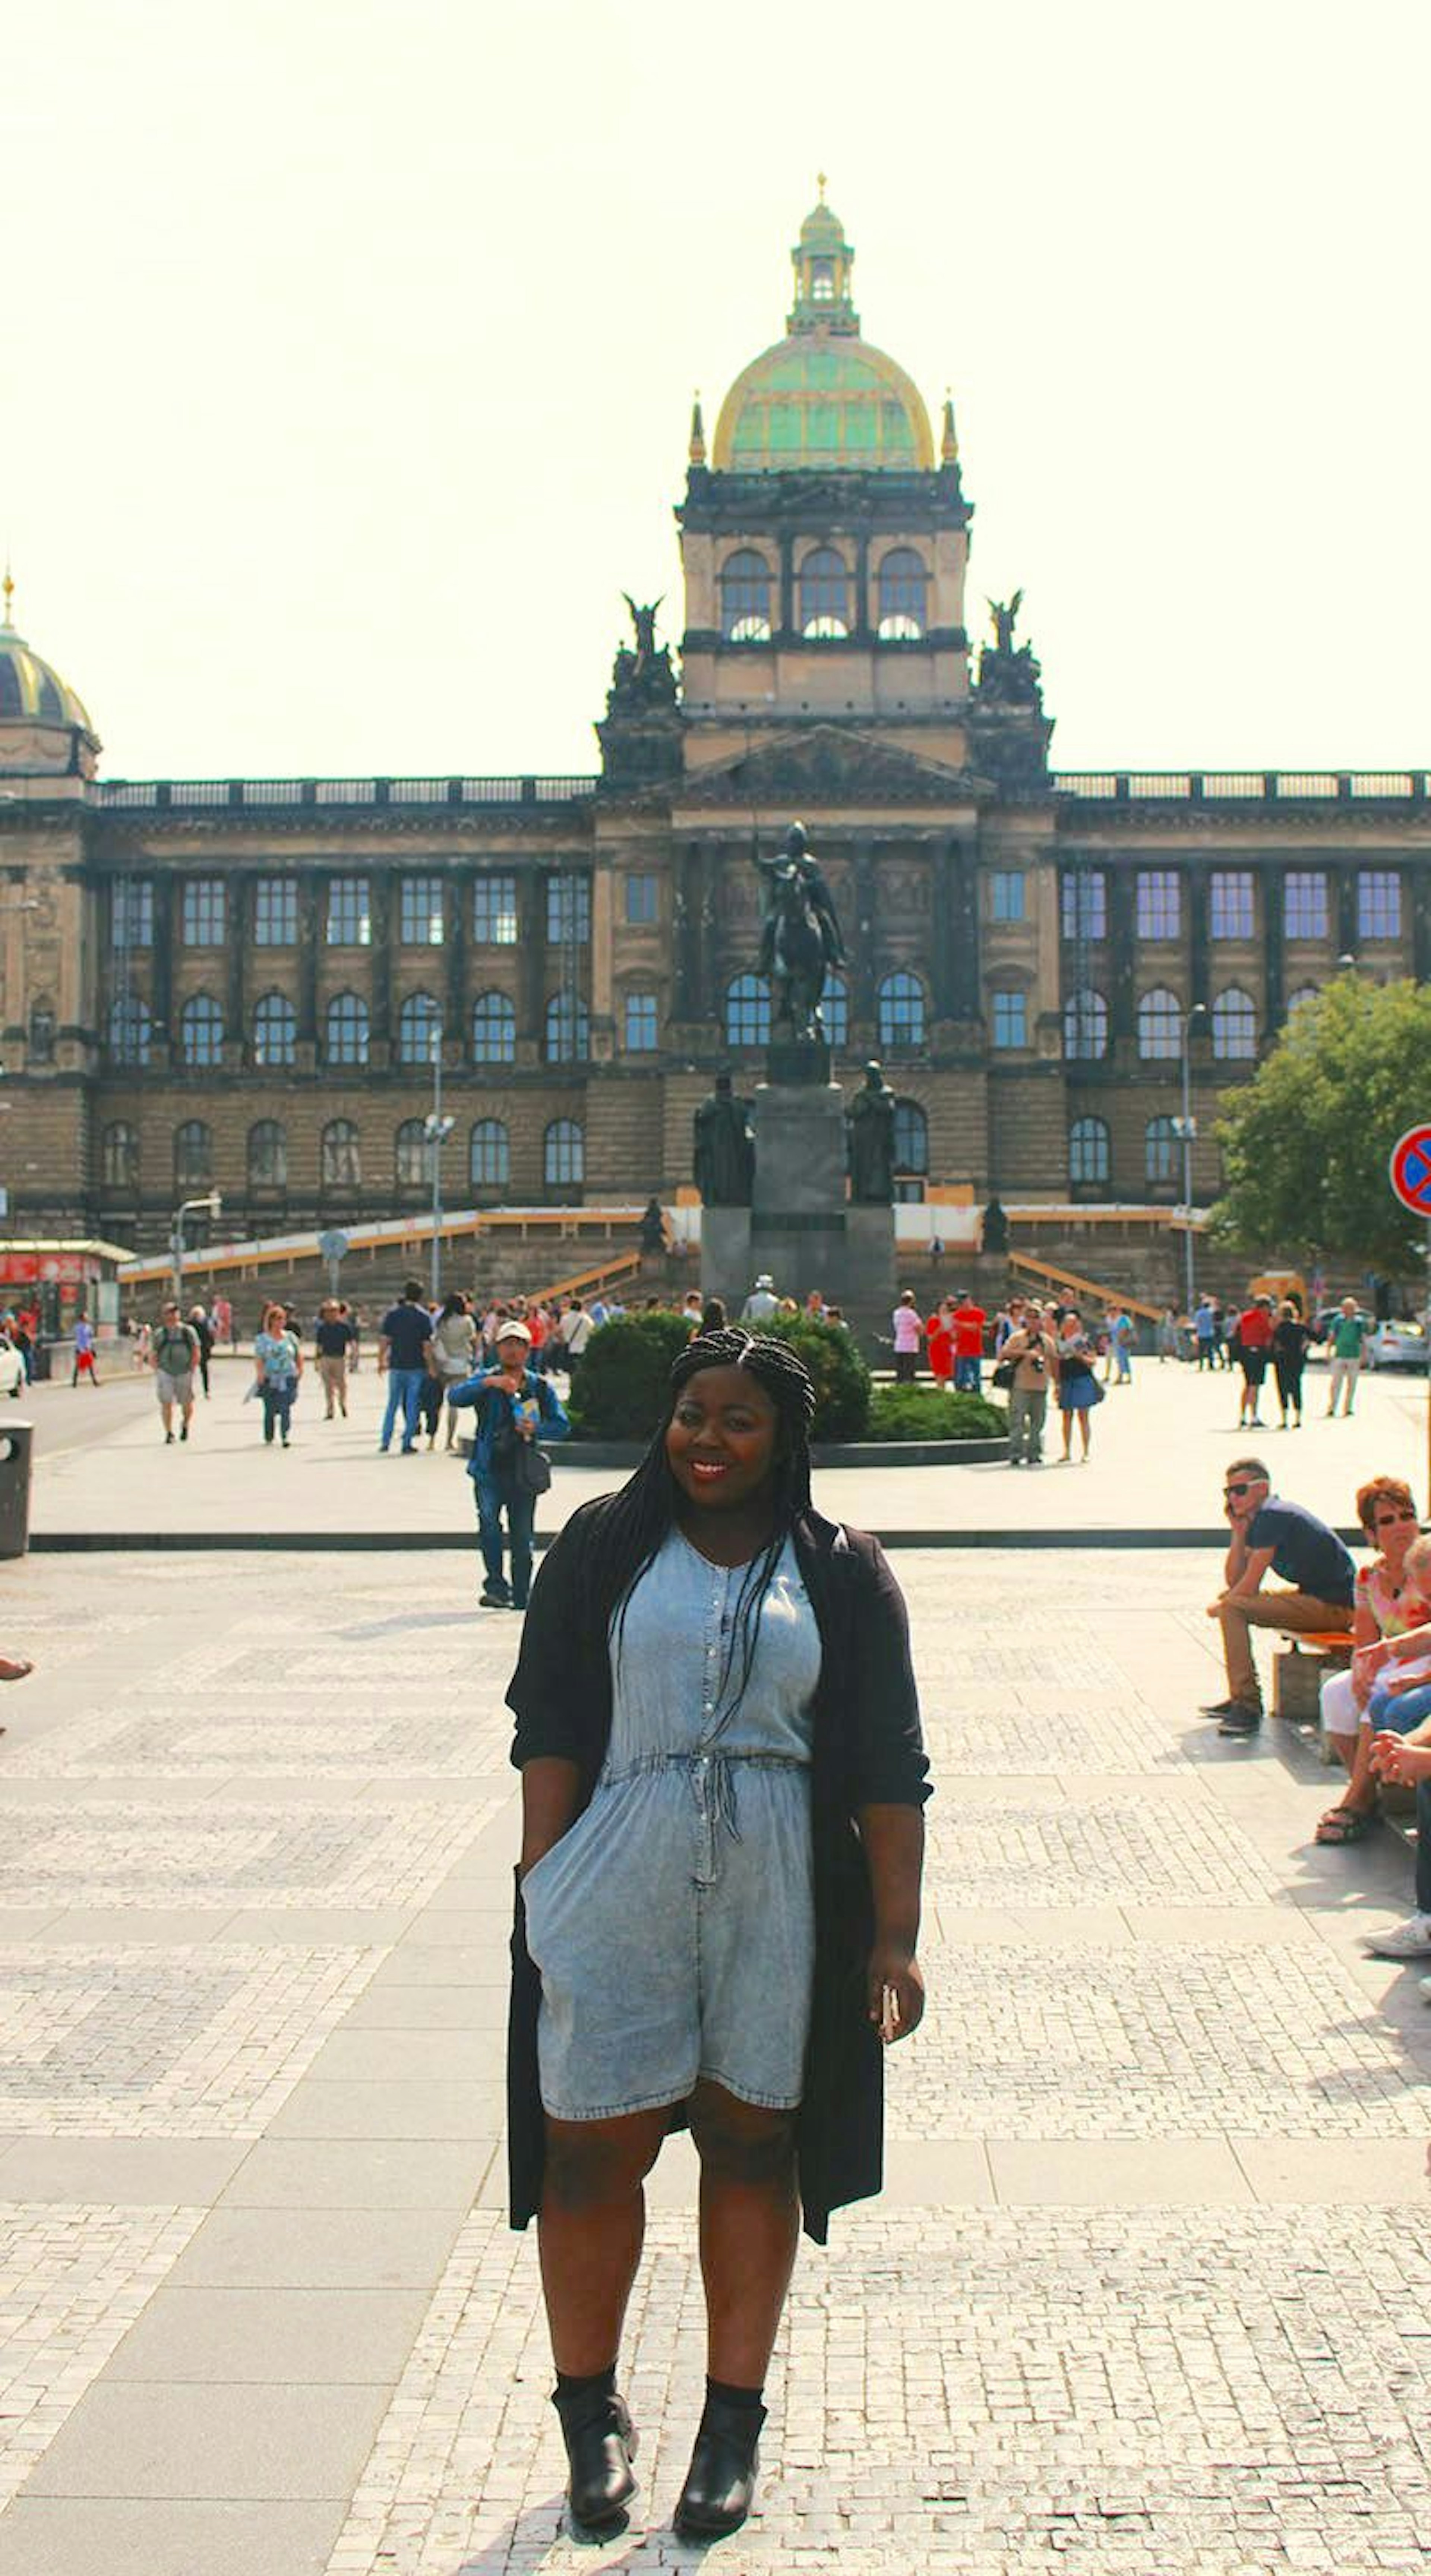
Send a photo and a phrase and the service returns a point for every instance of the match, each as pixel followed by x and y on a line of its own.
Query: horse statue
pixel 801 936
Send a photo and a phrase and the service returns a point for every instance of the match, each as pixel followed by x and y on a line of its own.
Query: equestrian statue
pixel 800 936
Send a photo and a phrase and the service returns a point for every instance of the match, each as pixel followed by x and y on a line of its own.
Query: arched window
pixel 1085 1026
pixel 129 1030
pixel 1234 1026
pixel 341 1162
pixel 193 1156
pixel 267 1156
pixel 563 1154
pixel 824 594
pixel 119 1158
pixel 275 1030
pixel 835 1010
pixel 1088 1150
pixel 1161 1149
pixel 201 1031
pixel 568 1029
pixel 747 1012
pixel 903 583
pixel 494 1029
pixel 419 1029
pixel 489 1155
pixel 745 598
pixel 911 1137
pixel 1304 993
pixel 1160 1023
pixel 901 1012
pixel 412 1164
pixel 347 1029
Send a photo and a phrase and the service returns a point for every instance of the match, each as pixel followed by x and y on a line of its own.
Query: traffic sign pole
pixel 1410 1173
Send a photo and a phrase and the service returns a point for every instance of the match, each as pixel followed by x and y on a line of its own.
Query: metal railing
pixel 1254 786
pixel 166 795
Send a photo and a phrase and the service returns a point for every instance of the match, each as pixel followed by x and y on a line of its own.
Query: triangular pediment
pixel 826 764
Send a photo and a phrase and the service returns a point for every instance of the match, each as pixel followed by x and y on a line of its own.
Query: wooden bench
pixel 1297 1675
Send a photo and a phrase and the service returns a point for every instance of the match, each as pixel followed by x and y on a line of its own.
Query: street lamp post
pixel 1186 1127
pixel 212 1200
pixel 436 1129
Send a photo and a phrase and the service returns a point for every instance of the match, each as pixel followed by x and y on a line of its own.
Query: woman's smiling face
pixel 721 1438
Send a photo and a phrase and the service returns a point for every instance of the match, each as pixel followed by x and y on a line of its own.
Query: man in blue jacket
pixel 514 1408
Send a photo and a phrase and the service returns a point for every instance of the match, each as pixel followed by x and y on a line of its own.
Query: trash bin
pixel 16 1440
pixel 40 1362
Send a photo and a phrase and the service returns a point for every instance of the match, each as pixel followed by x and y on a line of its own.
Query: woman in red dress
pixel 939 1343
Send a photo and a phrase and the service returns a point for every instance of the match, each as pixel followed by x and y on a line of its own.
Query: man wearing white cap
pixel 513 1406
pixel 762 1302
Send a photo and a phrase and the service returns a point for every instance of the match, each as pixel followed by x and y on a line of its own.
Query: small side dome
pixel 44 725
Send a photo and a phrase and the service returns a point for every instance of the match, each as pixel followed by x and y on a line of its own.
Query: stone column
pixel 708 963
pixel 456 922
pixel 238 907
pixel 862 943
pixel 1199 957
pixel 382 896
pixel 1122 1000
pixel 966 982
pixel 309 899
pixel 161 967
pixel 602 960
pixel 1345 916
pixel 786 624
pixel 944 911
pixel 1274 952
pixel 686 925
pixel 532 928
pixel 1419 888
pixel 864 622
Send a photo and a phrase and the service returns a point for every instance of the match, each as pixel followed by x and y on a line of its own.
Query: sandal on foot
pixel 1343 1825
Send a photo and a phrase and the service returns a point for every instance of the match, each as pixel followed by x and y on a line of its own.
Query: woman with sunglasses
pixel 1388 1609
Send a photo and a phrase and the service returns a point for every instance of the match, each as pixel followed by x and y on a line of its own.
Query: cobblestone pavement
pixel 1141 2294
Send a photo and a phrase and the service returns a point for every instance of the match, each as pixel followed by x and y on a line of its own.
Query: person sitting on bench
pixel 1271 1537
pixel 1389 1623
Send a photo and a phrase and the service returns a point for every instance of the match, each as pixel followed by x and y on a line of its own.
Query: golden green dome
pixel 822 398
pixel 30 692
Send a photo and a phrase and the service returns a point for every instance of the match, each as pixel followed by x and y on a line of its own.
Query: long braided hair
pixel 630 1532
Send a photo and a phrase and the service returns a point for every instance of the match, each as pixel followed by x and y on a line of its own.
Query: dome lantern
pixel 823 399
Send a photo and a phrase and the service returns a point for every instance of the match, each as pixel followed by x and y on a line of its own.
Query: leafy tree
pixel 1305 1145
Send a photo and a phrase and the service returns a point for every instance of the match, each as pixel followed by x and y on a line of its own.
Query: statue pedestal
pixel 801 1226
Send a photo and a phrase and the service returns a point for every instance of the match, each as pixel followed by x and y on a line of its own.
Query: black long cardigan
pixel 867 1751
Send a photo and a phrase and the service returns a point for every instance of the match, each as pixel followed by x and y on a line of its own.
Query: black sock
pixel 746 2400
pixel 572 2391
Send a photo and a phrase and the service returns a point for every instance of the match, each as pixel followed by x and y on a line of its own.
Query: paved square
pixel 72 2282
pixel 1041 1848
pixel 988 2392
pixel 125 1854
pixel 1059 2041
pixel 166 2043
pixel 1084 2324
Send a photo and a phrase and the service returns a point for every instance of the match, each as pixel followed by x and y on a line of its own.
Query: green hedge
pixel 922 1413
pixel 621 1383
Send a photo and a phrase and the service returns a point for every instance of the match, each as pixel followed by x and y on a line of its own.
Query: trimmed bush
pixel 621 1381
pixel 842 1381
pixel 919 1413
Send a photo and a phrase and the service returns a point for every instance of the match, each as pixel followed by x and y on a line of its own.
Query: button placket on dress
pixel 710 1802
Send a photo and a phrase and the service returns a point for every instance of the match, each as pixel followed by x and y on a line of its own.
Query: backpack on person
pixel 168 1339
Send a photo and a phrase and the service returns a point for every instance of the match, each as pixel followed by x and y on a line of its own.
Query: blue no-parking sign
pixel 1410 1169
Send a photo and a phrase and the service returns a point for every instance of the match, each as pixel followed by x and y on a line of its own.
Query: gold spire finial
pixel 698 431
pixel 824 183
pixel 8 588
pixel 950 448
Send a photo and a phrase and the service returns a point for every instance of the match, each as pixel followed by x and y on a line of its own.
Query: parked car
pixel 12 1369
pixel 1397 1346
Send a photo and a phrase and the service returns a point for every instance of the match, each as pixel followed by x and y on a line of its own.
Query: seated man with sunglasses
pixel 1271 1537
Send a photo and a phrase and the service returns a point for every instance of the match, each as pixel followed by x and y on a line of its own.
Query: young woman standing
pixel 718 1901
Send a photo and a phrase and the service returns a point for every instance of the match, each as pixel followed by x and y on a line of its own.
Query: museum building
pixel 244 983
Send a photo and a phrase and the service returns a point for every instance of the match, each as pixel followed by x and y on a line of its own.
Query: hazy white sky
pixel 347 349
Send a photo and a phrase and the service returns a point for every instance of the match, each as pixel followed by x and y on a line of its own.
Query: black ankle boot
pixel 720 2482
pixel 600 2443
